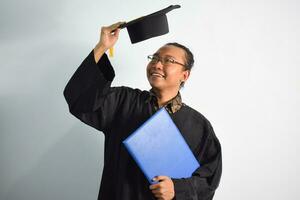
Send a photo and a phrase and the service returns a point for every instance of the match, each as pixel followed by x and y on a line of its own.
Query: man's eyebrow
pixel 168 56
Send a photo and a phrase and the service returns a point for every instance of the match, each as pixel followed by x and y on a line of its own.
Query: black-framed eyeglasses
pixel 164 61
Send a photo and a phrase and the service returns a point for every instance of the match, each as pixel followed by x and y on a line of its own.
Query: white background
pixel 245 81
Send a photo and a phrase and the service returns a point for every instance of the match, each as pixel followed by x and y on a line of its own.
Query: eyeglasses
pixel 164 61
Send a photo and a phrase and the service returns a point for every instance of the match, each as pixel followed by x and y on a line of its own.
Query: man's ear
pixel 186 75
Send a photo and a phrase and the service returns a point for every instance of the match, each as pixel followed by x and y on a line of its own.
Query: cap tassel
pixel 111 52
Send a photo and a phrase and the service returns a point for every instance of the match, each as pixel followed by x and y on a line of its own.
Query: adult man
pixel 118 111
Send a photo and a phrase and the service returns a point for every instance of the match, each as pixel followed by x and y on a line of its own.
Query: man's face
pixel 167 76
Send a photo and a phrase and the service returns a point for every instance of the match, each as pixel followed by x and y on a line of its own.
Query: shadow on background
pixel 70 169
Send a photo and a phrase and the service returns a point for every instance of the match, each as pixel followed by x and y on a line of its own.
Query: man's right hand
pixel 108 37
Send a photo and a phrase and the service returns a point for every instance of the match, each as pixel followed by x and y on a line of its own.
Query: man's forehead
pixel 170 50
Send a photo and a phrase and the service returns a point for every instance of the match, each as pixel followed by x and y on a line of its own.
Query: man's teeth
pixel 156 74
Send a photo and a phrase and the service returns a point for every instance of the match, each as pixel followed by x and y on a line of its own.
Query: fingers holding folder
pixel 164 189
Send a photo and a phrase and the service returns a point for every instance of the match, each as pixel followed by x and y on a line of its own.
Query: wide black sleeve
pixel 205 180
pixel 89 94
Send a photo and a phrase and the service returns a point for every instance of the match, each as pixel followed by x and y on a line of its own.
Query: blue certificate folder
pixel 158 148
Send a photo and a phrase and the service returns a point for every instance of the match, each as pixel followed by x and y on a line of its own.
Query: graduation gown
pixel 117 112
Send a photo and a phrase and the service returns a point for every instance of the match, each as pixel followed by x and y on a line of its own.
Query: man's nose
pixel 158 65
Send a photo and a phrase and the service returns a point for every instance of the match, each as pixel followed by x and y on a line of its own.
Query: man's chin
pixel 156 86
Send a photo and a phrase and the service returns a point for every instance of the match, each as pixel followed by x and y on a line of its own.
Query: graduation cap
pixel 148 26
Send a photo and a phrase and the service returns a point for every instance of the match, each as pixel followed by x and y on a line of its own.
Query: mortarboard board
pixel 148 26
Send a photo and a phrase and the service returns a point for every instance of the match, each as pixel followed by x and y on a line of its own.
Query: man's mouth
pixel 156 74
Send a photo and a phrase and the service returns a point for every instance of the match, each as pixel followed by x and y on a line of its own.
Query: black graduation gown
pixel 117 112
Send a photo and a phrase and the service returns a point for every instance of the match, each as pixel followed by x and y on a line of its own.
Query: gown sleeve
pixel 205 180
pixel 89 94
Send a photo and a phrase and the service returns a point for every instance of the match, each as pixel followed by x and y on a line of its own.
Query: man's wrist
pixel 99 50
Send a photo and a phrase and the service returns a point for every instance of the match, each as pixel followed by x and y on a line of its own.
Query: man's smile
pixel 157 74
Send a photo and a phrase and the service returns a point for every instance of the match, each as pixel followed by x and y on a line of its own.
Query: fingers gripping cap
pixel 149 26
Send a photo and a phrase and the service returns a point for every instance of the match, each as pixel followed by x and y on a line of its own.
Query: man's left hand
pixel 164 189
